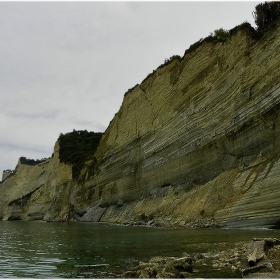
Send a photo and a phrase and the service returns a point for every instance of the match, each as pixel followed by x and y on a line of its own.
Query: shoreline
pixel 203 253
pixel 191 226
pixel 232 263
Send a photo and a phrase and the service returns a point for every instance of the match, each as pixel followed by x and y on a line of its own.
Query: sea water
pixel 90 250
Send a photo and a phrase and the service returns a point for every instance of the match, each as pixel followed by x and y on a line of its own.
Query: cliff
pixel 37 192
pixel 196 143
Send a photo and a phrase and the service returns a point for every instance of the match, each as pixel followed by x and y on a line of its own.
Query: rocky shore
pixel 163 222
pixel 230 263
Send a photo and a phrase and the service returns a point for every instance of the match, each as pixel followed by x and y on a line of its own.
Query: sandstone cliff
pixel 37 192
pixel 198 139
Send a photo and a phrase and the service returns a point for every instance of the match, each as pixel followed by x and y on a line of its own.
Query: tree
pixel 77 147
pixel 265 14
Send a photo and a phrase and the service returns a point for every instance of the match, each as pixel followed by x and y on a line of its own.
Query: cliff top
pixel 265 15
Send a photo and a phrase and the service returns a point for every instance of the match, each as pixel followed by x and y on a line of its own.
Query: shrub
pixel 27 161
pixel 221 34
pixel 9 171
pixel 246 26
pixel 77 147
pixel 168 60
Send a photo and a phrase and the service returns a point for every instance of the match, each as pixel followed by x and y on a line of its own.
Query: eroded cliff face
pixel 39 192
pixel 196 140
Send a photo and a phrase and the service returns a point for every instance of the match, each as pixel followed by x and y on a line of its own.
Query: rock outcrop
pixel 37 192
pixel 198 138
pixel 196 143
pixel 263 267
pixel 163 267
pixel 231 263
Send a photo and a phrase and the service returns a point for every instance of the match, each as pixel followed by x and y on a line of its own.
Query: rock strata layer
pixel 198 138
pixel 195 144
pixel 40 192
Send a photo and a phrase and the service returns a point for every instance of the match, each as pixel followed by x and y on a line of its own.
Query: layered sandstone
pixel 198 139
pixel 39 192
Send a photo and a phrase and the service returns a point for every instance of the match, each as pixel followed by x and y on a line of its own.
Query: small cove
pixel 88 250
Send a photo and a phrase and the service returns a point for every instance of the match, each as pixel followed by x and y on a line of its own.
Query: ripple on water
pixel 71 250
pixel 91 265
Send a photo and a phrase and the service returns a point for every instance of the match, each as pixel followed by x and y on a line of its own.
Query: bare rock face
pixel 196 144
pixel 39 192
pixel 197 138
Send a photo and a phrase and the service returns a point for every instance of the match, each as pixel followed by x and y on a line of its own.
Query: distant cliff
pixel 197 143
pixel 37 192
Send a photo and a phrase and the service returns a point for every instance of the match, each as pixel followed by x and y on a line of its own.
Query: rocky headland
pixel 196 144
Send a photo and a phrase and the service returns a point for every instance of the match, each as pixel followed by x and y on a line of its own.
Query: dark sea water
pixel 87 250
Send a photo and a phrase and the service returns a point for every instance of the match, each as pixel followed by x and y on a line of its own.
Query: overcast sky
pixel 67 65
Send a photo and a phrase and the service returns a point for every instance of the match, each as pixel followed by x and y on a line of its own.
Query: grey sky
pixel 67 65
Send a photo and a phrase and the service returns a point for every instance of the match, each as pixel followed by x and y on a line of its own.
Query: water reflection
pixel 74 250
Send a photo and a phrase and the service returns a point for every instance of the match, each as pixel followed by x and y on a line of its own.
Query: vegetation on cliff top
pixel 27 161
pixel 265 16
pixel 77 147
